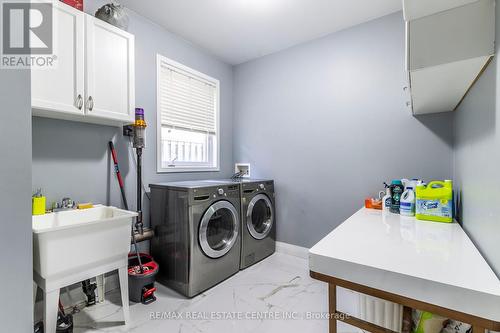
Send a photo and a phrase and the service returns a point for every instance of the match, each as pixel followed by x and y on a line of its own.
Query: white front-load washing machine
pixel 197 229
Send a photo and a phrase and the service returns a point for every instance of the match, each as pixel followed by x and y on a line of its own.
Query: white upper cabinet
pixel 93 78
pixel 110 71
pixel 60 90
pixel 417 9
pixel 448 44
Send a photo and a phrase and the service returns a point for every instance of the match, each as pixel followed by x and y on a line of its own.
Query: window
pixel 188 119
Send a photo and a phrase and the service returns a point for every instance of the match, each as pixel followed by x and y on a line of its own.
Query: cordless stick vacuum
pixel 124 197
pixel 142 280
pixel 139 144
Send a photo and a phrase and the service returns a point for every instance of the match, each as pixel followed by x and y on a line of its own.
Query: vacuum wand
pixel 139 224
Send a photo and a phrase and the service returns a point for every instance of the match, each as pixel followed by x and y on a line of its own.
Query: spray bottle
pixel 387 199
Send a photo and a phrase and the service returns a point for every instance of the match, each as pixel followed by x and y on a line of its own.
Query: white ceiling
pixel 240 30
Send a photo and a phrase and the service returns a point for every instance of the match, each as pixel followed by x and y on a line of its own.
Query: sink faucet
pixel 65 204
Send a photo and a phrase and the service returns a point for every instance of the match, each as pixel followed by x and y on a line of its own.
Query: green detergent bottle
pixel 435 201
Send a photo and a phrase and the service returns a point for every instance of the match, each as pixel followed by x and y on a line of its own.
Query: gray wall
pixel 477 156
pixel 16 269
pixel 327 120
pixel 72 159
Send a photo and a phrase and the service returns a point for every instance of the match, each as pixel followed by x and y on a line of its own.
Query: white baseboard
pixel 293 250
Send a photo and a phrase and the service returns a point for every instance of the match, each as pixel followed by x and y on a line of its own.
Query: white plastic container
pixel 407 202
pixel 413 183
pixel 68 242
pixel 386 200
pixel 72 246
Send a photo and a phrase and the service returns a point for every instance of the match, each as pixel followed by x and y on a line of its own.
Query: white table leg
pixel 50 309
pixel 100 288
pixel 123 276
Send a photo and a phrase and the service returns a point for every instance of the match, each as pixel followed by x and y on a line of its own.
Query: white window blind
pixel 188 119
pixel 187 101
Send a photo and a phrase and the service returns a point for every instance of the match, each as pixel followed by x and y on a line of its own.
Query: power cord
pixel 238 175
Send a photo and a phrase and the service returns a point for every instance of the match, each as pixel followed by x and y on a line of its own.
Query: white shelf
pixel 431 262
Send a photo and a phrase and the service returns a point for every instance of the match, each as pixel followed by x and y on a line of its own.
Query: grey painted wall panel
pixel 16 269
pixel 71 158
pixel 477 156
pixel 327 120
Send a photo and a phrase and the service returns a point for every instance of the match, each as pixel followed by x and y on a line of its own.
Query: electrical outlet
pixel 128 130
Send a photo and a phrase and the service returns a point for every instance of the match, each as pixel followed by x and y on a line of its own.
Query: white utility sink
pixel 75 245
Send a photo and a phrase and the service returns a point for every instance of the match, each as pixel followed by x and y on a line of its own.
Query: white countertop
pixel 431 262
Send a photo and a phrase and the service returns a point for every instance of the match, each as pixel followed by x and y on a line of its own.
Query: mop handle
pixel 118 174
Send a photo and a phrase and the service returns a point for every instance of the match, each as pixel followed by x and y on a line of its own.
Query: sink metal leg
pixel 123 276
pixel 100 287
pixel 50 309
pixel 35 289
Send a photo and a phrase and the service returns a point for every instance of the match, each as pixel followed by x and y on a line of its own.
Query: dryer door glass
pixel 219 229
pixel 260 216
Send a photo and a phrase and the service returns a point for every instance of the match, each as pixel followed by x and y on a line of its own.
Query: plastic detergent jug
pixel 411 183
pixel 397 190
pixel 407 204
pixel 435 201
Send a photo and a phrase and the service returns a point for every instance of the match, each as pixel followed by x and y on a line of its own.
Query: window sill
pixel 181 169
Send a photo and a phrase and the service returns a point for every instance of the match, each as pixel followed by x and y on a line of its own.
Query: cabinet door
pixel 109 81
pixel 60 90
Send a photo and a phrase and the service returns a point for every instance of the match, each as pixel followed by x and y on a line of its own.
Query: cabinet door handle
pixel 79 102
pixel 90 103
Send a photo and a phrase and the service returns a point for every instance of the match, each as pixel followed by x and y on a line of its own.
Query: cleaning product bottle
pixel 411 183
pixel 397 190
pixel 387 199
pixel 415 182
pixel 435 201
pixel 38 203
pixel 407 207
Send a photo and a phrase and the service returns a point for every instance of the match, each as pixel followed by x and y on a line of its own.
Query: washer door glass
pixel 219 229
pixel 260 216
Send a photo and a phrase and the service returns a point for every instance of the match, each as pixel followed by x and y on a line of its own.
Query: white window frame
pixel 159 168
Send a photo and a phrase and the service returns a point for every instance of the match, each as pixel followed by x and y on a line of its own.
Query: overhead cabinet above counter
pixel 93 77
pixel 448 44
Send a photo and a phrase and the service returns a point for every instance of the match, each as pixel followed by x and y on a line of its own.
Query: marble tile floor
pixel 275 295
